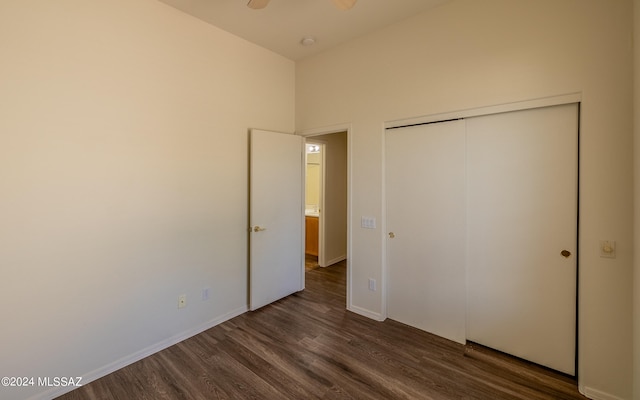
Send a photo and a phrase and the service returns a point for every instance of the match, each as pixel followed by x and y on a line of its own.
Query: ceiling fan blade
pixel 344 4
pixel 257 4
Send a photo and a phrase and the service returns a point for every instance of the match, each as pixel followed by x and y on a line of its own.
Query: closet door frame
pixel 488 110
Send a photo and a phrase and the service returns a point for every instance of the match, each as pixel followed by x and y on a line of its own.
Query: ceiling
pixel 282 25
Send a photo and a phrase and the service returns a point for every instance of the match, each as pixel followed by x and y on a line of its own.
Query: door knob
pixel 392 235
pixel 565 253
pixel 258 229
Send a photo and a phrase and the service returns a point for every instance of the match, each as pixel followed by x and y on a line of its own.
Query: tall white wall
pixel 335 197
pixel 123 179
pixel 467 54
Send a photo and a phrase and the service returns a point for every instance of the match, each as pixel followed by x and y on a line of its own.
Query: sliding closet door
pixel 522 243
pixel 425 196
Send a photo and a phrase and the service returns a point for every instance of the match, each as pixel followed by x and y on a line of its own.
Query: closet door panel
pixel 522 174
pixel 425 214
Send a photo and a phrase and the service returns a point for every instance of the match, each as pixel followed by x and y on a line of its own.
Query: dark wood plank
pixel 307 346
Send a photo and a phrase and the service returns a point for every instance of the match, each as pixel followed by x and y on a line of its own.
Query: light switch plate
pixel 608 248
pixel 368 222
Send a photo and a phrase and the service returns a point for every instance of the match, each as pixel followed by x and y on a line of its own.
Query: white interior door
pixel 425 196
pixel 276 210
pixel 522 214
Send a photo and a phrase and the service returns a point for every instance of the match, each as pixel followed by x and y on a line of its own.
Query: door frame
pixel 309 134
pixel 570 98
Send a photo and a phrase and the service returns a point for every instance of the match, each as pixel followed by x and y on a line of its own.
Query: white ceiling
pixel 283 23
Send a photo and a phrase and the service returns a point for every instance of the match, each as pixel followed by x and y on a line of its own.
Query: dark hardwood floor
pixel 310 262
pixel 307 346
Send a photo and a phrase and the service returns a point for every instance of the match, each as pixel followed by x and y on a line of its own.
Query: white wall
pixel 123 170
pixel 466 54
pixel 335 212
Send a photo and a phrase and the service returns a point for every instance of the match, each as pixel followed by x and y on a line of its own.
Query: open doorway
pixel 326 194
pixel 314 203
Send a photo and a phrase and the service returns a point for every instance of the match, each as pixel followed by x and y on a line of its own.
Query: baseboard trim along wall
pixel 596 394
pixel 366 313
pixel 335 260
pixel 137 356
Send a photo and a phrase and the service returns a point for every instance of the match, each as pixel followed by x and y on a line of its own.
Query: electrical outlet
pixel 372 284
pixel 182 301
pixel 205 294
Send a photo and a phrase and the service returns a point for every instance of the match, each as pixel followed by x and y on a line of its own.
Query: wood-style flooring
pixel 307 346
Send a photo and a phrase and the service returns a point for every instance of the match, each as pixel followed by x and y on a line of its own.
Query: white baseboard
pixel 335 260
pixel 139 355
pixel 595 394
pixel 366 313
